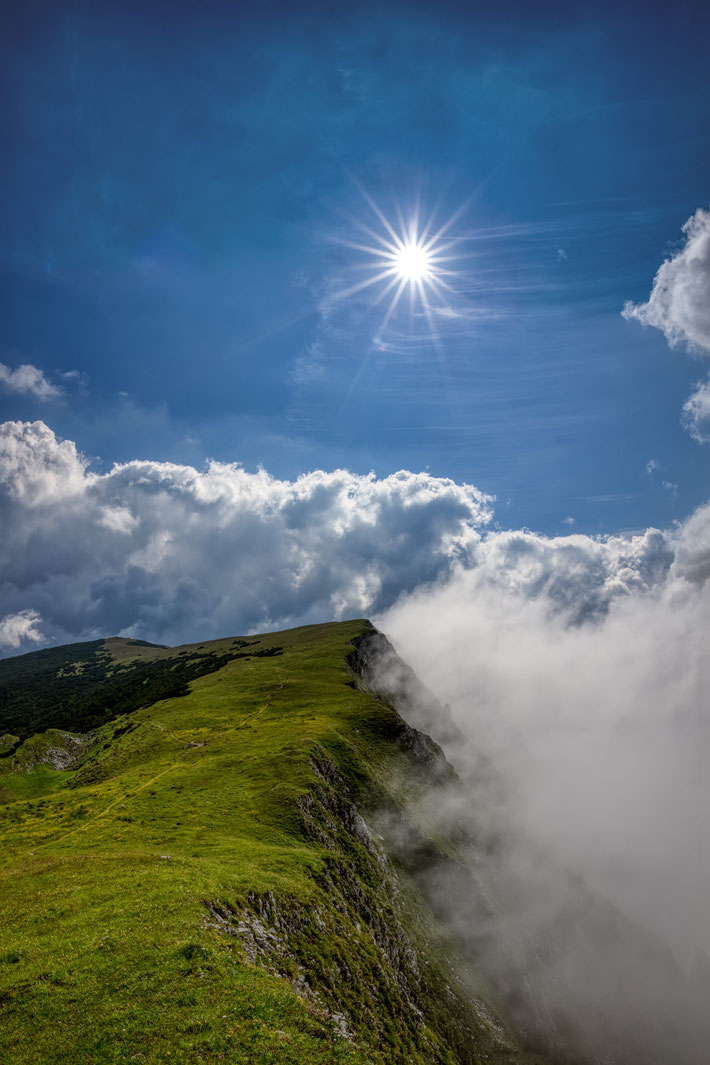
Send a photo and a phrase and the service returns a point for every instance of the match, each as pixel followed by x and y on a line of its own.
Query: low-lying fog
pixel 595 723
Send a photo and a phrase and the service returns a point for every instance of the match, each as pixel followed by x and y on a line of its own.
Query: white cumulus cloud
pixel 28 380
pixel 171 553
pixel 35 468
pixel 679 304
pixel 16 629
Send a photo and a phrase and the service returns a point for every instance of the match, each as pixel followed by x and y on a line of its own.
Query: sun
pixel 412 263
pixel 405 258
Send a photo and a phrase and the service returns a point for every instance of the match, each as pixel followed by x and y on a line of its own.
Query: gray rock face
pixel 327 951
pixel 380 670
pixel 55 748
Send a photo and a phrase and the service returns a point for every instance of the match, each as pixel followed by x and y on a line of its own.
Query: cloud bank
pixel 170 553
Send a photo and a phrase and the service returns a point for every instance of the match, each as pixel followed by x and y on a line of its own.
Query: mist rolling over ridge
pixel 597 734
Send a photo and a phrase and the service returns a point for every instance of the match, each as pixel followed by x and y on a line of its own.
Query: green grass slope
pixel 83 685
pixel 190 879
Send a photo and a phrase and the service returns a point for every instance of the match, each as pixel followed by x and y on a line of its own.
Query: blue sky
pixel 177 179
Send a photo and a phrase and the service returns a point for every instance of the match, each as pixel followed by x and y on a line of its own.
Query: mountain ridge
pixel 209 859
pixel 298 786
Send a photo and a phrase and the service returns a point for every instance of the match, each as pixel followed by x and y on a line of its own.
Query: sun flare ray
pixel 405 258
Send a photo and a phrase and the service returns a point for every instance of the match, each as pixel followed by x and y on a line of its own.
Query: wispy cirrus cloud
pixel 696 412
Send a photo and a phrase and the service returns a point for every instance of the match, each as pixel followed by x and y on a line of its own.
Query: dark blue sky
pixel 176 179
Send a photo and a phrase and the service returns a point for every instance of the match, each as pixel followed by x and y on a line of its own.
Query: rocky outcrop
pixel 54 748
pixel 349 953
pixel 379 669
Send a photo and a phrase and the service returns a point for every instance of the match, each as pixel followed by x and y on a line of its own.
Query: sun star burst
pixel 405 258
pixel 412 262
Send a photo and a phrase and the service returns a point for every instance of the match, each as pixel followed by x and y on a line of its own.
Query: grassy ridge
pixel 133 885
pixel 82 686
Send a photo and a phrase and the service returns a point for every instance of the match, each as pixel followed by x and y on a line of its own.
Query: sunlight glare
pixel 412 262
pixel 406 258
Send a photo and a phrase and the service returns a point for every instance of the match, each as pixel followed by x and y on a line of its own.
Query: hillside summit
pixel 191 870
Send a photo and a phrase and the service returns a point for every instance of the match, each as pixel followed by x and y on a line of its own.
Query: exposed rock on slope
pixel 54 748
pixel 353 957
